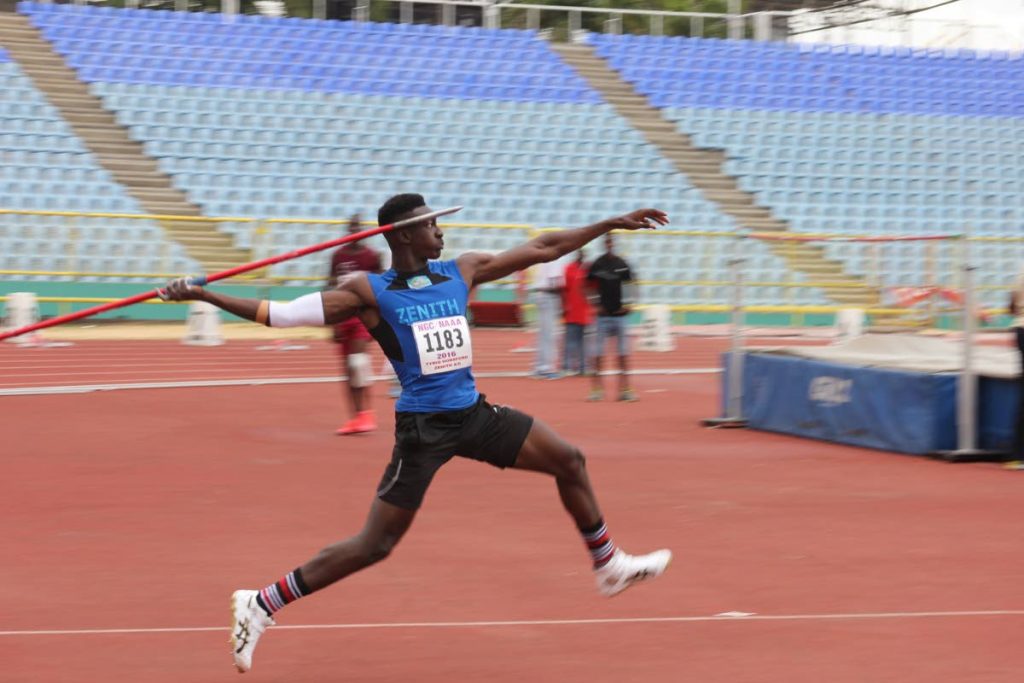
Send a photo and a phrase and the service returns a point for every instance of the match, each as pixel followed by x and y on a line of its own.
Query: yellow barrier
pixel 96 300
pixel 265 227
pixel 682 308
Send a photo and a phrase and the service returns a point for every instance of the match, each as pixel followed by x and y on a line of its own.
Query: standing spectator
pixel 547 295
pixel 1017 311
pixel 351 335
pixel 579 315
pixel 612 277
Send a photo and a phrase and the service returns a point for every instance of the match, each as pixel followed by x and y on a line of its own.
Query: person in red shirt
pixel 351 335
pixel 578 314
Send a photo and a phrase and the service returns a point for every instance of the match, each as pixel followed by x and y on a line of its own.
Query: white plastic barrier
pixel 849 324
pixel 22 309
pixel 656 329
pixel 203 325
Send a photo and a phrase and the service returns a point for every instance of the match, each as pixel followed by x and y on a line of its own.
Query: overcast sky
pixel 977 24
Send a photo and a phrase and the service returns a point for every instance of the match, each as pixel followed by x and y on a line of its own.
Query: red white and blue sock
pixel 599 543
pixel 290 588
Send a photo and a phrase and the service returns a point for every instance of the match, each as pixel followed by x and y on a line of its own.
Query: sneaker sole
pixel 643 580
pixel 354 431
pixel 234 629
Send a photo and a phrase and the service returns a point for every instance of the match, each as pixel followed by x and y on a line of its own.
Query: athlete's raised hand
pixel 641 219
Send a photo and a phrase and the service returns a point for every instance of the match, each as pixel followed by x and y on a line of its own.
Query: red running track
pixel 143 510
pixel 117 362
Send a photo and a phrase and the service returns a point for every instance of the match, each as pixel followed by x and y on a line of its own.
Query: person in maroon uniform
pixel 351 335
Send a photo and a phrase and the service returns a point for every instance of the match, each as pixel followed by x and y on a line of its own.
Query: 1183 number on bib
pixel 443 344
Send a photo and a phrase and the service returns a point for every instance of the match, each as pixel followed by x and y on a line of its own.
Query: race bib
pixel 443 344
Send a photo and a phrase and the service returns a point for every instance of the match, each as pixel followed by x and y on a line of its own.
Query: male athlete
pixel 417 313
pixel 351 335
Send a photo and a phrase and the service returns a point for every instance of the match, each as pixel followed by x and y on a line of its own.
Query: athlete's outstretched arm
pixel 318 308
pixel 549 246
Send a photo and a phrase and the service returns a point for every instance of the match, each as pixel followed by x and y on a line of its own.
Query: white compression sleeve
pixel 306 310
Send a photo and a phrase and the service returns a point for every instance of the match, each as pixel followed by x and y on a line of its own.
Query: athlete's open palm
pixel 641 219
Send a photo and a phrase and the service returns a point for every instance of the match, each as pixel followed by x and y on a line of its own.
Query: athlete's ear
pixel 400 236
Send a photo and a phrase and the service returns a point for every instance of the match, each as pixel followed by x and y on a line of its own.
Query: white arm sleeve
pixel 306 310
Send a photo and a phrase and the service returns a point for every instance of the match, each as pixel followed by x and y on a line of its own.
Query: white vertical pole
pixel 763 26
pixel 968 394
pixel 657 25
pixel 734 401
pixel 533 19
pixel 735 20
pixel 575 24
pixel 492 16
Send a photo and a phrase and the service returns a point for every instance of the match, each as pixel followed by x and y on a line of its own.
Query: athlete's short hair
pixel 398 206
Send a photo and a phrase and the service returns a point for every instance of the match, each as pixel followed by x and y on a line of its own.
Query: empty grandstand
pixel 281 118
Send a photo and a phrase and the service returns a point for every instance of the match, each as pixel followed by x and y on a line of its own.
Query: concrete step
pixel 16 41
pixel 39 60
pixel 208 248
pixel 118 148
pixel 150 180
pixel 55 81
pixel 73 102
pixel 701 176
pixel 749 211
pixel 819 271
pixel 160 195
pixel 187 228
pixel 107 134
pixel 765 225
pixel 679 150
pixel 688 157
pixel 91 119
pixel 169 208
pixel 124 165
pixel 214 251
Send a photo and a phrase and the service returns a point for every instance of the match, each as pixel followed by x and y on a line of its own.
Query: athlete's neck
pixel 404 262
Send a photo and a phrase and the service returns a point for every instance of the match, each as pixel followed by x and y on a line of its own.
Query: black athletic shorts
pixel 425 441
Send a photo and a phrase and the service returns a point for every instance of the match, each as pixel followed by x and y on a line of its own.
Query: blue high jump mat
pixel 892 392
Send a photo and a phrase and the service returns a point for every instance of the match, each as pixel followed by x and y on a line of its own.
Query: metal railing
pixel 566 22
pixel 657 264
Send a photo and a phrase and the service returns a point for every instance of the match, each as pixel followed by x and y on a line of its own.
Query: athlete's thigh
pixel 493 434
pixel 421 448
pixel 543 450
pixel 388 521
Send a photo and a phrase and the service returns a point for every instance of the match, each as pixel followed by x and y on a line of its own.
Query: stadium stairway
pixel 704 168
pixel 123 157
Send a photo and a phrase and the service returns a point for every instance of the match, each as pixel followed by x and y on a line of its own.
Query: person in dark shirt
pixel 612 279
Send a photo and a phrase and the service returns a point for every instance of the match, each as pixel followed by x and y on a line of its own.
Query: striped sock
pixel 289 589
pixel 599 543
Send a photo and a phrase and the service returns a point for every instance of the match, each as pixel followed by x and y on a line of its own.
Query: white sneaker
pixel 248 622
pixel 623 570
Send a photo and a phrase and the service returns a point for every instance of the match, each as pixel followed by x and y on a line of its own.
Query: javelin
pixel 207 279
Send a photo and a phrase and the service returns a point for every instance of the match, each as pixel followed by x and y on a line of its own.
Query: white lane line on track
pixel 848 616
pixel 86 388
